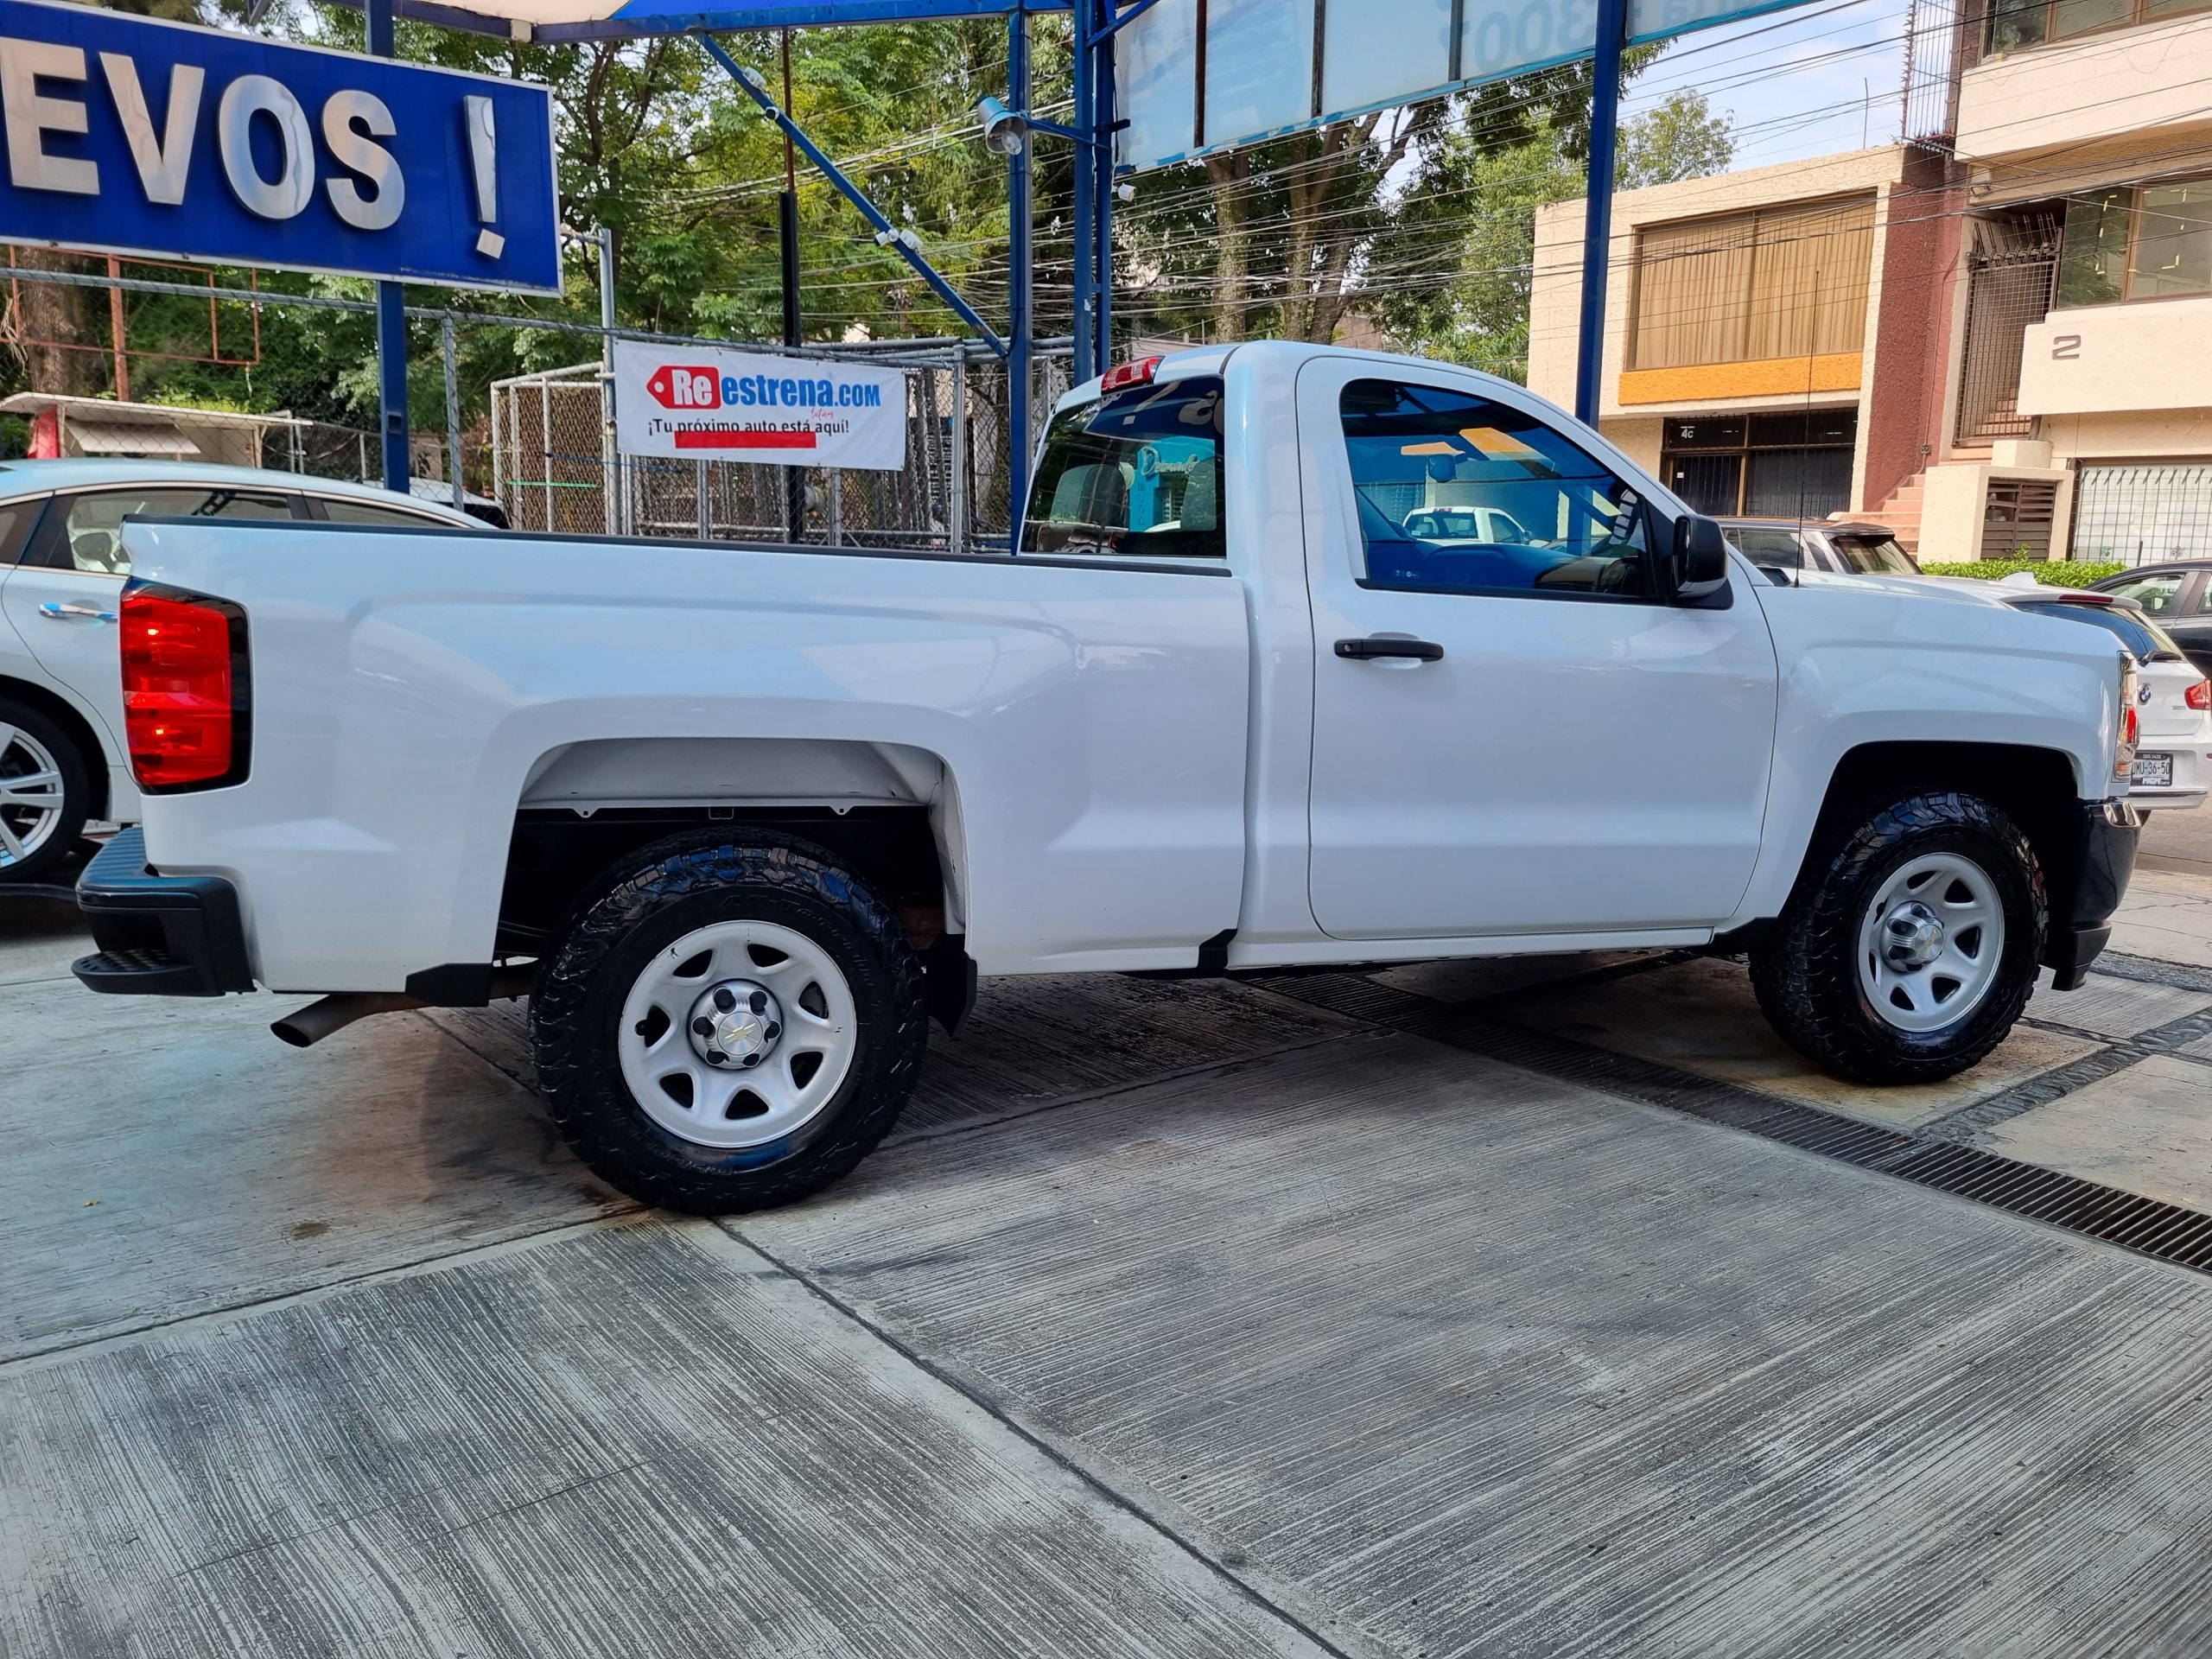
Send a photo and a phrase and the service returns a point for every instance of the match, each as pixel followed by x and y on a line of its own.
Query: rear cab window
pixel 1136 475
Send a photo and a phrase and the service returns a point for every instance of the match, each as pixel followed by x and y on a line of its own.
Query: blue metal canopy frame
pixel 1093 204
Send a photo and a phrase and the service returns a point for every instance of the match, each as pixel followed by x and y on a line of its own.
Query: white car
pixel 62 566
pixel 2173 756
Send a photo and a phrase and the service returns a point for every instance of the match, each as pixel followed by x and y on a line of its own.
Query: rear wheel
pixel 1911 953
pixel 733 1023
pixel 45 795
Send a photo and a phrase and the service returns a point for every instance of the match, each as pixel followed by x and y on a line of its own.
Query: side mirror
pixel 1701 557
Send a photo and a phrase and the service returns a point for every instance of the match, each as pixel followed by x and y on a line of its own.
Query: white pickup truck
pixel 1306 655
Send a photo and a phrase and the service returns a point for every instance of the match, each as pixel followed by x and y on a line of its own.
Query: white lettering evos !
pixel 368 195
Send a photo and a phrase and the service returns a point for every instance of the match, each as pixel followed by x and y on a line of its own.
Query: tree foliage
pixel 1471 215
pixel 1418 219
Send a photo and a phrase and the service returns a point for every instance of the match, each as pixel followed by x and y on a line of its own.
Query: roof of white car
pixel 19 478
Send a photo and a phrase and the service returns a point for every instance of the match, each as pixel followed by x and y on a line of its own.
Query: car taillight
pixel 2199 695
pixel 185 694
pixel 2123 761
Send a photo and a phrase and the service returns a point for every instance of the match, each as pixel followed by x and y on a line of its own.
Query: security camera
pixel 1004 131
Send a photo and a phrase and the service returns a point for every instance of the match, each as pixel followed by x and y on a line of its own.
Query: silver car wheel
pixel 32 795
pixel 737 1034
pixel 1931 941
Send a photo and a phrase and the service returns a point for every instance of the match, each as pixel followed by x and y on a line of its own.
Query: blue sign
pixel 129 136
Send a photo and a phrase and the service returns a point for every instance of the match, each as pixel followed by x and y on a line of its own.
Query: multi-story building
pixel 1994 337
pixel 1742 334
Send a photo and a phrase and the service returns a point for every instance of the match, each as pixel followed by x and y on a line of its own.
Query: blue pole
pixel 391 322
pixel 1018 285
pixel 1086 181
pixel 1597 219
pixel 1102 157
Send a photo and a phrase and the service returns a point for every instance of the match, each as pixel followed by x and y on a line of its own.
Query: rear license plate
pixel 2153 772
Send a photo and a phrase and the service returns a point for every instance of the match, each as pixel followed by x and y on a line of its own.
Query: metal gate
pixel 2141 515
pixel 2009 277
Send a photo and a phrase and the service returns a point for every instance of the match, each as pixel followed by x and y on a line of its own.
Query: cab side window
pixel 86 532
pixel 1459 495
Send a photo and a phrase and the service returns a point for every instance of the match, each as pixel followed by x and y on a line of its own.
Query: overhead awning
pixel 585 20
pixel 115 438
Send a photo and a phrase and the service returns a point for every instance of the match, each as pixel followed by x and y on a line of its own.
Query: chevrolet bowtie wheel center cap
pixel 735 1024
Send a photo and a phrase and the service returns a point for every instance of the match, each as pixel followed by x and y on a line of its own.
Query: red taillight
pixel 183 696
pixel 2131 729
pixel 1138 374
pixel 2199 695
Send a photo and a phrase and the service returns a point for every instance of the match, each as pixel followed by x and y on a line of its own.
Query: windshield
pixel 2145 640
pixel 1874 556
pixel 1136 473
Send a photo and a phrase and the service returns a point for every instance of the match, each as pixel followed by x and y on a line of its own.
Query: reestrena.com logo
pixel 687 386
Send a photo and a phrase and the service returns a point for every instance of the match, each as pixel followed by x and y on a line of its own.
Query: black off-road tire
pixel 645 904
pixel 76 793
pixel 1806 974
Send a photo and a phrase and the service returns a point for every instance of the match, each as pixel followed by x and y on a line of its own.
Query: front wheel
pixel 1909 956
pixel 734 1023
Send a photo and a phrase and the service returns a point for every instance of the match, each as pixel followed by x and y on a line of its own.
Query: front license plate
pixel 2153 772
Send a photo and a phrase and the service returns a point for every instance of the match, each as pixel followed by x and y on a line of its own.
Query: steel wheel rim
pixel 1931 943
pixel 732 1103
pixel 32 795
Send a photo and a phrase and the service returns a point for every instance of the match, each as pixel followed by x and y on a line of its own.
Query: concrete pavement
pixel 1435 1311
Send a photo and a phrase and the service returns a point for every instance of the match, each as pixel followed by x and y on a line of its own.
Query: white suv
pixel 61 571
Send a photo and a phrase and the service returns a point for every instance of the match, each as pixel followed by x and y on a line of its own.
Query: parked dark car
pixel 2177 596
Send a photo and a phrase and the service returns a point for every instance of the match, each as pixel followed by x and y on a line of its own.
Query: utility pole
pixel 391 319
pixel 1083 322
pixel 1597 219
pixel 613 489
pixel 787 228
pixel 115 330
pixel 1018 283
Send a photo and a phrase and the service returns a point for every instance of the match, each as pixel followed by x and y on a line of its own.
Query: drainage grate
pixel 2146 1226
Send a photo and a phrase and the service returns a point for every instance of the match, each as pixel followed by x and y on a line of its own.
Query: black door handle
pixel 1382 646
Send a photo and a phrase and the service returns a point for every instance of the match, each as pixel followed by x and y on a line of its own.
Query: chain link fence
pixel 554 465
pixel 534 449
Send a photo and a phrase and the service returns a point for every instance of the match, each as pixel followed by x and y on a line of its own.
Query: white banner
pixel 681 401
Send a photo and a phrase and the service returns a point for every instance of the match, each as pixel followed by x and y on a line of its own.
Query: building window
pixel 1784 282
pixel 2014 24
pixel 1786 464
pixel 2137 241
